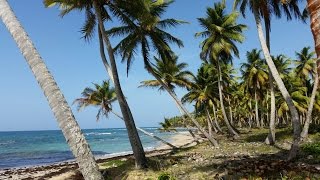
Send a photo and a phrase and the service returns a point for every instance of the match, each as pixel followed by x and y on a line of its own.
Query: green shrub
pixel 165 176
pixel 312 148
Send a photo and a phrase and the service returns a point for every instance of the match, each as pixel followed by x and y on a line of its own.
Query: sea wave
pixel 98 134
pixel 7 142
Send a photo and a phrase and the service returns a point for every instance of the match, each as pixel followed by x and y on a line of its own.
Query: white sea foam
pixel 7 142
pixel 98 134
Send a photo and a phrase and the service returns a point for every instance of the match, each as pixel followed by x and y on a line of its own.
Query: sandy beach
pixel 66 170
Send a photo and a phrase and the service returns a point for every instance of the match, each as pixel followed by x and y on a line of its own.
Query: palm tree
pixel 166 126
pixel 103 96
pixel 254 76
pixel 70 129
pixel 221 32
pixel 173 74
pixel 96 14
pixel 261 10
pixel 306 68
pixel 144 28
pixel 202 93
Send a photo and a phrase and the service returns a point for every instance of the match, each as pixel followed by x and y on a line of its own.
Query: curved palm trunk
pixel 271 138
pixel 256 108
pixel 230 128
pixel 103 56
pixel 62 112
pixel 216 119
pixel 180 106
pixel 138 152
pixel 184 121
pixel 293 111
pixel 304 133
pixel 147 133
pixel 314 10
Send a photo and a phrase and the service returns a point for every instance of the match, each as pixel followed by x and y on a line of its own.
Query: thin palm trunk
pixel 210 123
pixel 138 152
pixel 180 106
pixel 231 130
pixel 314 10
pixel 304 133
pixel 62 112
pixel 271 138
pixel 256 108
pixel 147 133
pixel 230 111
pixel 103 56
pixel 215 118
pixel 185 121
pixel 294 114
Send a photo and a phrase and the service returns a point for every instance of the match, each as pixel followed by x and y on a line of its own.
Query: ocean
pixel 29 148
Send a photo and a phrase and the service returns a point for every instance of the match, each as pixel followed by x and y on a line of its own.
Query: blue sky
pixel 75 64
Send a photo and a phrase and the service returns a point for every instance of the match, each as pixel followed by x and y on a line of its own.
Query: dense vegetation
pixel 269 90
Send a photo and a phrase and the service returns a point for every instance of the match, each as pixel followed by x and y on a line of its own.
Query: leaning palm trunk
pixel 314 10
pixel 305 130
pixel 147 133
pixel 138 152
pixel 256 109
pixel 215 118
pixel 185 121
pixel 62 112
pixel 210 122
pixel 230 128
pixel 180 106
pixel 294 113
pixel 103 56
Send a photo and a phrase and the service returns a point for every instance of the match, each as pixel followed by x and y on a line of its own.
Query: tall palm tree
pixel 258 9
pixel 103 96
pixel 202 93
pixel 254 76
pixel 172 74
pixel 96 13
pixel 70 129
pixel 305 64
pixel 306 68
pixel 221 32
pixel 144 29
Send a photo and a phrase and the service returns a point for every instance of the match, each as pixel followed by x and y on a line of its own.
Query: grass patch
pixel 112 163
pixel 312 148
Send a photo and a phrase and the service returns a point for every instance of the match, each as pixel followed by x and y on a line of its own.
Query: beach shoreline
pixel 65 169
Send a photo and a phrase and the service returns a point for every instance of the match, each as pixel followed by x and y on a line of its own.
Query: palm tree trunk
pixel 185 121
pixel 62 112
pixel 256 109
pixel 314 10
pixel 103 56
pixel 180 105
pixel 138 152
pixel 305 130
pixel 271 138
pixel 215 118
pixel 230 128
pixel 210 123
pixel 230 111
pixel 294 114
pixel 147 133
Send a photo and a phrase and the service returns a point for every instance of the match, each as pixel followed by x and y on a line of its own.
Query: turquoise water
pixel 27 148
